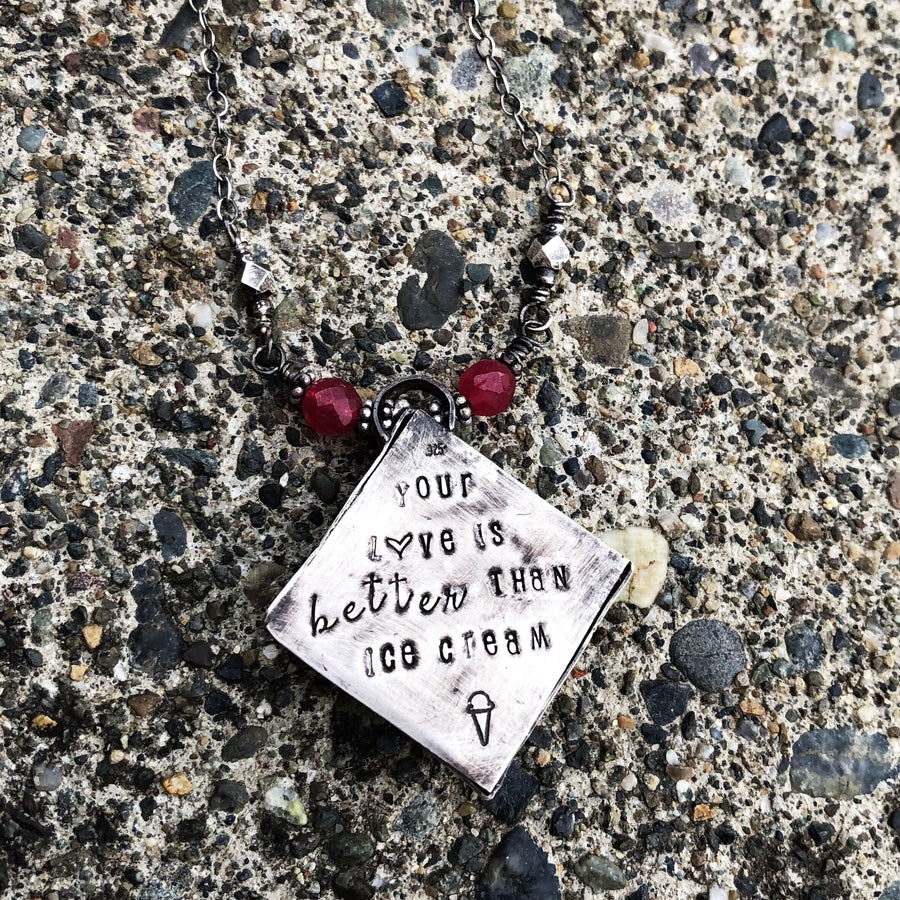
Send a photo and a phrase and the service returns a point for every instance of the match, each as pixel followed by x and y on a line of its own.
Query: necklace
pixel 446 596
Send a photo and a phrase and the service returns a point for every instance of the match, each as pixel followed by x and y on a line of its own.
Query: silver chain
pixel 269 357
pixel 556 187
pixel 220 145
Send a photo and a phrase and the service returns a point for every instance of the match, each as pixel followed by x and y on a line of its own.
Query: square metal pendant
pixel 449 599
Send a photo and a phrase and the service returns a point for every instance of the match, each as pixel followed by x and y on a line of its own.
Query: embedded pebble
pixel 428 304
pixel 708 653
pixel 31 138
pixel 841 762
pixel 665 700
pixel 641 332
pixel 804 646
pixel 47 777
pixel 648 552
pixel 869 94
pixel 600 873
pixel 850 446
pixel 518 868
pixel 245 743
pixel 283 801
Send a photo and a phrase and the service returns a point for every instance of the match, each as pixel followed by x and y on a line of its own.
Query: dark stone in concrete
pixel 708 653
pixel 431 304
pixel 665 701
pixel 245 743
pixel 840 763
pixel 192 193
pixel 518 870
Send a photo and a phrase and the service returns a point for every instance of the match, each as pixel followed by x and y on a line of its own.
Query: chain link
pixel 220 143
pixel 556 187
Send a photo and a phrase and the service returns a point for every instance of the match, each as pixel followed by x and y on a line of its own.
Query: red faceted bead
pixel 489 386
pixel 331 406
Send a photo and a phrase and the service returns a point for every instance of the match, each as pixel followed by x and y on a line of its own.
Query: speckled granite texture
pixel 725 370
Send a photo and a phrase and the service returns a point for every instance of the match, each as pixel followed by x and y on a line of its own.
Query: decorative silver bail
pixel 391 406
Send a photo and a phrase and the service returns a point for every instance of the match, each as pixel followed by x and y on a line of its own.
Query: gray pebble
pixel 755 430
pixel 245 743
pixel 468 71
pixel 600 873
pixel 478 273
pixel 850 446
pixel 429 305
pixel 804 646
pixel 200 462
pixel 54 388
pixel 665 701
pixel 391 12
pixel 605 339
pixel 87 395
pixel 350 848
pixel 548 397
pixel 29 240
pixel 515 792
pixel 869 94
pixel 840 763
pixel 171 533
pixel 419 817
pixel 191 193
pixel 674 249
pixel 324 486
pixel 46 777
pixel 708 653
pixel 518 870
pixel 31 138
pixel 390 99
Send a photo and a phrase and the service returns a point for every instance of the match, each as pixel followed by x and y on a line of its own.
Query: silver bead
pixel 297 394
pixel 365 414
pixel 463 410
pixel 550 252
pixel 257 278
pixel 387 424
pixel 306 380
pixel 434 407
pixel 544 275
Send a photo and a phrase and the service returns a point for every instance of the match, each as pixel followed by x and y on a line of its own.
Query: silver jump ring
pixel 266 351
pixel 535 317
pixel 567 189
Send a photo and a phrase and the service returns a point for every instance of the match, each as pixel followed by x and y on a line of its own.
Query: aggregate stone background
pixel 724 369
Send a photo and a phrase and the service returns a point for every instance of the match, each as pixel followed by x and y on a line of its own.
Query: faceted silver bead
pixel 257 278
pixel 548 251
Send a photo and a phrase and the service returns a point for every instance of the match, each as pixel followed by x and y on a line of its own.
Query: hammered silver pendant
pixel 449 599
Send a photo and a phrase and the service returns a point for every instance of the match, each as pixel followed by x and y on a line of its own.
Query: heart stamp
pixel 399 545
